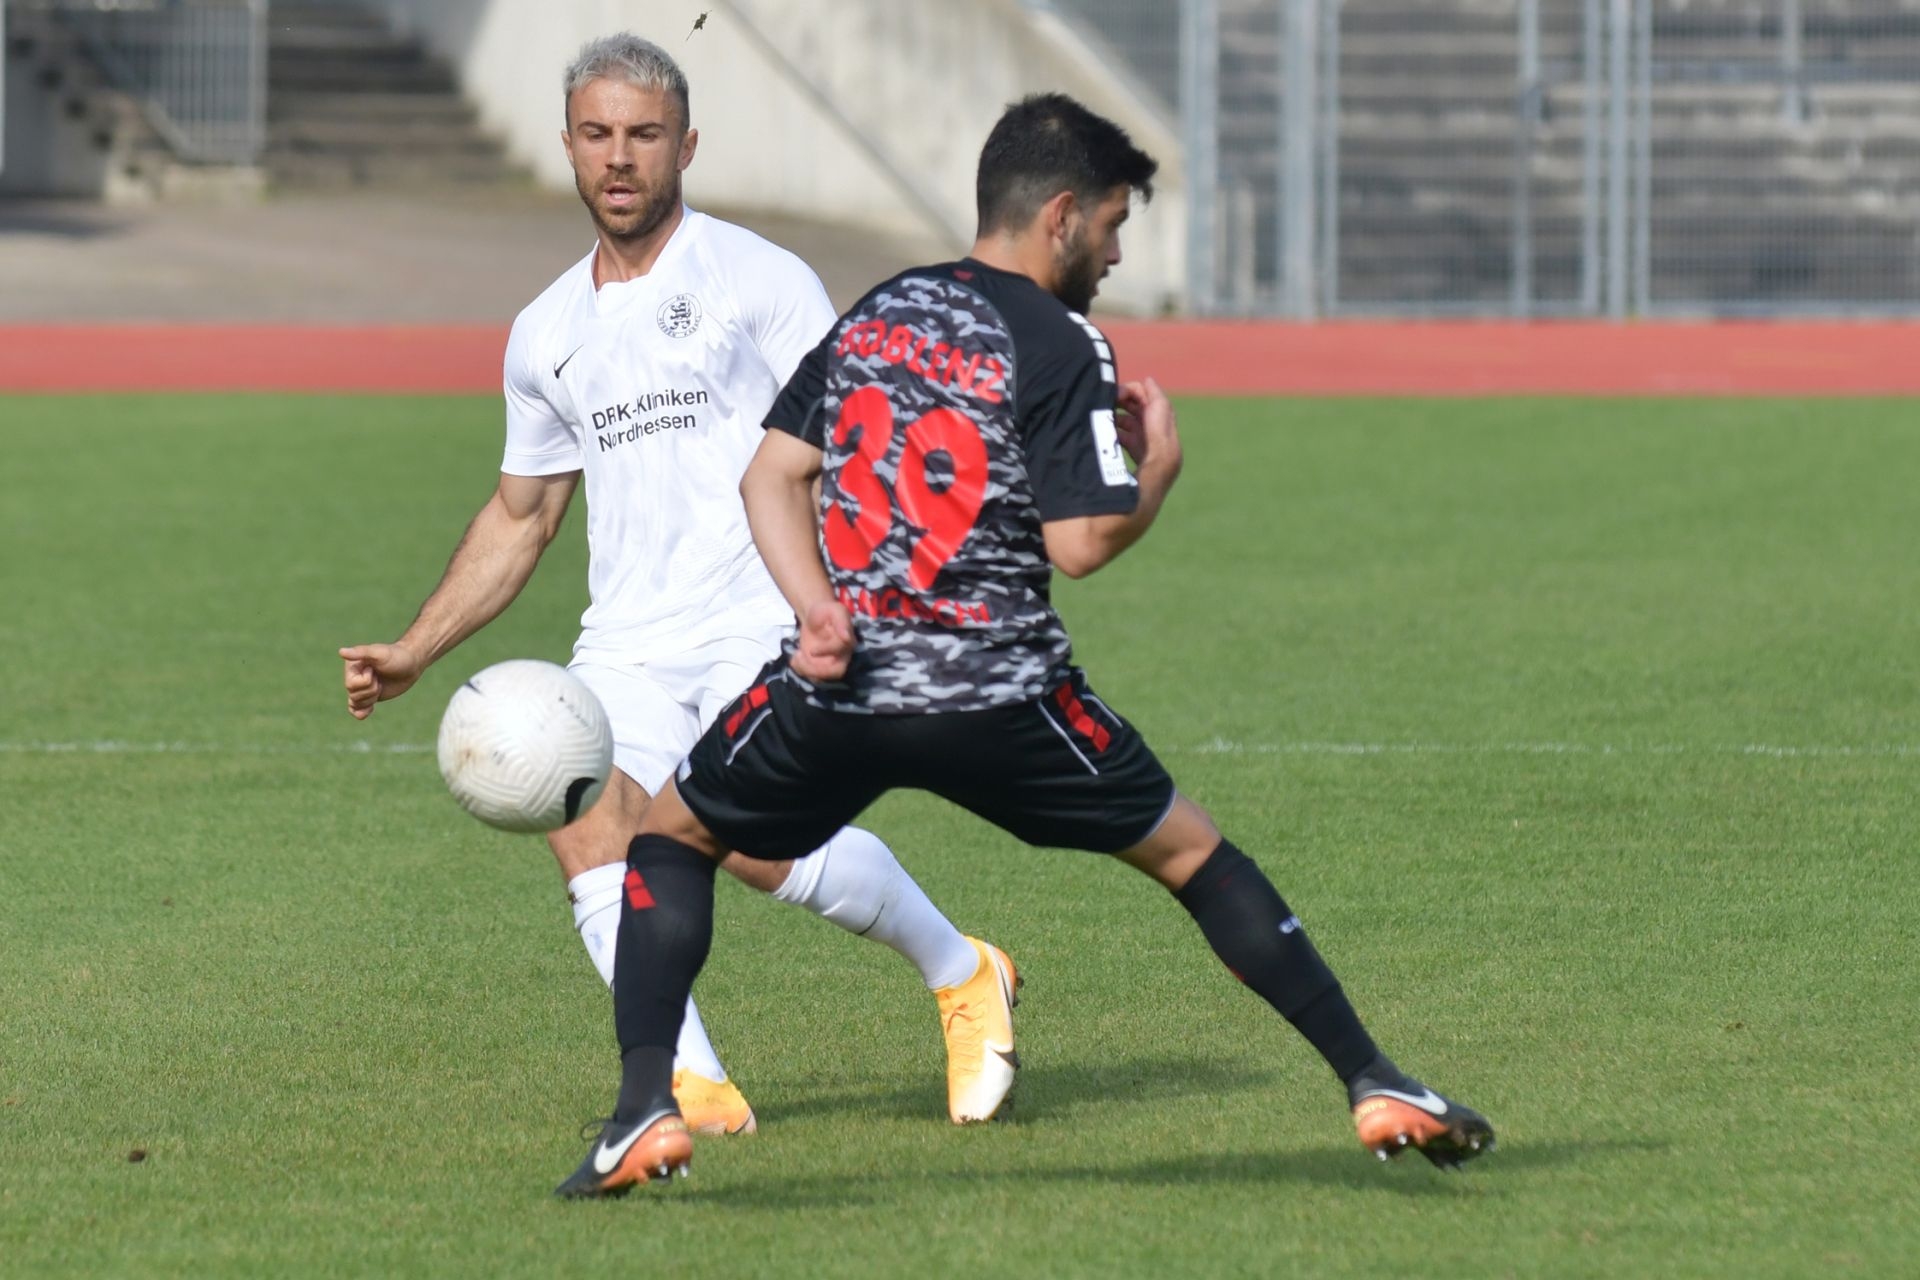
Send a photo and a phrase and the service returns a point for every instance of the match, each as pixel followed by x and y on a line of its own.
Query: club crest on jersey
pixel 679 315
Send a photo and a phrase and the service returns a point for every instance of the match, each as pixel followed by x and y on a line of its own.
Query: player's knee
pixel 1192 825
pixel 1178 847
pixel 669 816
pixel 600 835
pixel 858 842
pixel 583 845
pixel 757 873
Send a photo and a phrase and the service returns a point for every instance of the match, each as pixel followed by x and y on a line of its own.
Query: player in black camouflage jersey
pixel 914 394
pixel 966 434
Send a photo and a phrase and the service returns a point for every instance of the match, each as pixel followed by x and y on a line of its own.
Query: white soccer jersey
pixel 655 389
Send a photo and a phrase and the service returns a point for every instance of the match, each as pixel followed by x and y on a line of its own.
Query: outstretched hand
pixel 377 672
pixel 826 642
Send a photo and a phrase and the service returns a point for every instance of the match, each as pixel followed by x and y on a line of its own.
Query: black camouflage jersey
pixel 958 407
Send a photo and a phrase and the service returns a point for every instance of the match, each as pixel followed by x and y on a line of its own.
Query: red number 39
pixel 943 516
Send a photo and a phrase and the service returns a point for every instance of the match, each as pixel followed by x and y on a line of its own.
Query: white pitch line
pixel 1224 747
pixel 1212 747
pixel 116 747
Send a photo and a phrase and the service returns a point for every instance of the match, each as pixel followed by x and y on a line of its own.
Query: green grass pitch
pixel 1584 735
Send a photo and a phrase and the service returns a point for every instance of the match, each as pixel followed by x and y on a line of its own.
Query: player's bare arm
pixel 495 558
pixel 1150 435
pixel 778 489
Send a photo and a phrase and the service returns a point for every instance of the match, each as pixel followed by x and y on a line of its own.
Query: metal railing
pixel 198 68
pixel 1777 166
pixel 1547 157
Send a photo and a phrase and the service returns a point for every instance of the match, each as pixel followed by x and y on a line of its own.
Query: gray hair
pixel 625 56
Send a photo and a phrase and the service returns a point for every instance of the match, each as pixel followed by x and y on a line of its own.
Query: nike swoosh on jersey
pixel 607 1158
pixel 570 355
pixel 1430 1102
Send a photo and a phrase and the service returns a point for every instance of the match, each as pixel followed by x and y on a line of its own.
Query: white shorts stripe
pixel 1041 707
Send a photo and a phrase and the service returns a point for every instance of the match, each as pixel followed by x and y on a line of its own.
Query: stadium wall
pixel 50 149
pixel 864 112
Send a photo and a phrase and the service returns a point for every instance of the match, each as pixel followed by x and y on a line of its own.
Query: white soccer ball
pixel 525 746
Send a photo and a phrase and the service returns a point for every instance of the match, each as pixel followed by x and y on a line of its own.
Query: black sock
pixel 666 927
pixel 1257 936
pixel 642 1068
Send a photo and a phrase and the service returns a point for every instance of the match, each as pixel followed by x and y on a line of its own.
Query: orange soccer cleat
pixel 1392 1117
pixel 626 1155
pixel 712 1106
pixel 977 1019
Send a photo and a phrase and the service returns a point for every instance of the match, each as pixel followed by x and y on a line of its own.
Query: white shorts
pixel 660 707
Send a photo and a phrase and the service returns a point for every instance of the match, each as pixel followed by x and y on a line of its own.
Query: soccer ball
pixel 525 746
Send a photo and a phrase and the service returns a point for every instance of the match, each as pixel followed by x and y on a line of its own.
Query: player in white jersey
pixel 646 369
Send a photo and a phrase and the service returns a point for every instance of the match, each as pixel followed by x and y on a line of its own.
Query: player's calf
pixel 666 929
pixel 1258 937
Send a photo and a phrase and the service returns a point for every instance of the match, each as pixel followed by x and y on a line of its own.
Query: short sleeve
pixel 1066 402
pixel 539 442
pixel 796 410
pixel 787 312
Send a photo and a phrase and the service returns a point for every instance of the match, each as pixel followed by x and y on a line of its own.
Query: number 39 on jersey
pixel 939 484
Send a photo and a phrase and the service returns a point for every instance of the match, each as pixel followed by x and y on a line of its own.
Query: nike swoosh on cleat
pixel 1431 1103
pixel 570 355
pixel 602 1164
pixel 1008 1056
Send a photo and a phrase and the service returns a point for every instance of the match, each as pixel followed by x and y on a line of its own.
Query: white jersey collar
pixel 615 294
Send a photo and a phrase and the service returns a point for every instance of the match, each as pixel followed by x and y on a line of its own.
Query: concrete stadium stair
pixel 351 105
pixel 1748 208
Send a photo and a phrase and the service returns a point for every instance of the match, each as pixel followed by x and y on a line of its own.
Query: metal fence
pixel 1540 157
pixel 198 68
pixel 1780 155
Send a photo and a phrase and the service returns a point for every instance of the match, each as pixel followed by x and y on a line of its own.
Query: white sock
pixel 595 894
pixel 855 881
pixel 693 1050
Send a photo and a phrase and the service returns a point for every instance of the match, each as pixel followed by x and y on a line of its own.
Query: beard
pixel 1079 273
pixel 650 207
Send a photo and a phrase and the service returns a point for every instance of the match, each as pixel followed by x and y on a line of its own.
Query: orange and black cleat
pixel 1399 1113
pixel 626 1155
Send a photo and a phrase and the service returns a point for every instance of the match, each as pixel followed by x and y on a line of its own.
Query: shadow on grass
pixel 1348 1166
pixel 1044 1091
pixel 1342 1167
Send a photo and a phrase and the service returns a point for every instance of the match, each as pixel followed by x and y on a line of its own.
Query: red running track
pixel 1213 357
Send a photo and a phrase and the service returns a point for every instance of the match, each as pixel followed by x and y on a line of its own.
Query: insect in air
pixel 699 22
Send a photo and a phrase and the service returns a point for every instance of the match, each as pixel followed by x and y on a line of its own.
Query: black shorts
pixel 775 777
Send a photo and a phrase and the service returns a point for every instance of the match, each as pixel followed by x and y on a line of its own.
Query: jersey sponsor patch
pixel 1113 461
